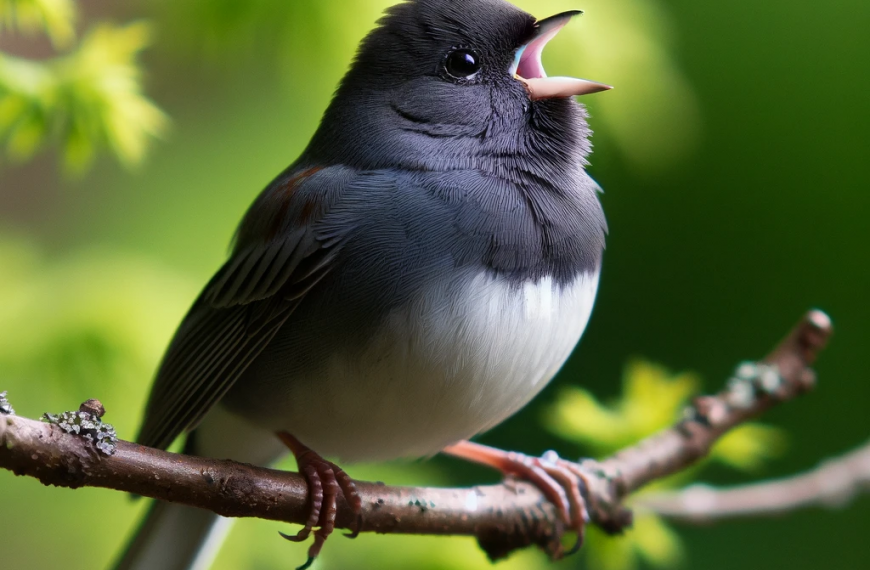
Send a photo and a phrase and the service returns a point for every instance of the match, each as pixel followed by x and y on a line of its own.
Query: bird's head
pixel 455 84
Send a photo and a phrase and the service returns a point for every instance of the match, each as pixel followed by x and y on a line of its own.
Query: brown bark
pixel 502 517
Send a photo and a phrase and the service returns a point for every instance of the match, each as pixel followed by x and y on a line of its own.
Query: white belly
pixel 454 363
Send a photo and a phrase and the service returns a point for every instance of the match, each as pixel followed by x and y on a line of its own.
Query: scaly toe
pixel 316 494
pixel 557 479
pixel 351 495
pixel 325 481
pixel 357 529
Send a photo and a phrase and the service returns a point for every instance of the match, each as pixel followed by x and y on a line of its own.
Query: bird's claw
pixel 325 481
pixel 562 482
pixel 357 529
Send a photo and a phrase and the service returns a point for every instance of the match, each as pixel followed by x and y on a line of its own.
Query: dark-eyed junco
pixel 414 278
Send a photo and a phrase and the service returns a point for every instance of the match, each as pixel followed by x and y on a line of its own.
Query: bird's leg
pixel 559 480
pixel 325 481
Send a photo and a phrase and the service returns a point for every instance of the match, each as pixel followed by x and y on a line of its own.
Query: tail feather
pixel 178 537
pixel 175 537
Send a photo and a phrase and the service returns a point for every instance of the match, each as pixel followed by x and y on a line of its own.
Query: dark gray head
pixel 449 84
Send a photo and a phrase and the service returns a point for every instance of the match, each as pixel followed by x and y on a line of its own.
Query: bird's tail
pixel 175 537
pixel 178 537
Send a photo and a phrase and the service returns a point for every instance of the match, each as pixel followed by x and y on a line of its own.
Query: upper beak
pixel 528 68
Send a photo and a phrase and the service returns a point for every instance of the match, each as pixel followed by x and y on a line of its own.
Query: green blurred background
pixel 734 153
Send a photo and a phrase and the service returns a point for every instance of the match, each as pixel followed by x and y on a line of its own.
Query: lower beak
pixel 528 68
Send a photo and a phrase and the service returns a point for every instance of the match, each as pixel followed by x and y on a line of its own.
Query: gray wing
pixel 232 321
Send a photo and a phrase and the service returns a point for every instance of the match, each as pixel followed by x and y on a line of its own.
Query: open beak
pixel 527 66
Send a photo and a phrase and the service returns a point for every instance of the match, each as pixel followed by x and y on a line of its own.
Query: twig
pixel 502 517
pixel 833 483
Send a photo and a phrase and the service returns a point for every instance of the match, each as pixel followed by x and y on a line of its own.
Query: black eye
pixel 462 64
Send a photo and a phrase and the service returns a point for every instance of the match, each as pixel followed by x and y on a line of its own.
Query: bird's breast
pixel 460 357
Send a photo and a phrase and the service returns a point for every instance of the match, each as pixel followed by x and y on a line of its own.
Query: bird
pixel 421 271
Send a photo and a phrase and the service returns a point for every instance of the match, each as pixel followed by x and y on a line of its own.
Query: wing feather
pixel 245 304
pixel 185 372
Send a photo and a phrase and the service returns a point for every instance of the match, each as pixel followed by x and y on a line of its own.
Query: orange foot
pixel 325 481
pixel 559 480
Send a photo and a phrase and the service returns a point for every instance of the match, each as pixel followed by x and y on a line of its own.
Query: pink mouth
pixel 529 64
pixel 529 69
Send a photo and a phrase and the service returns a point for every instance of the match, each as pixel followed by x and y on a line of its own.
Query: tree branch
pixel 503 517
pixel 833 483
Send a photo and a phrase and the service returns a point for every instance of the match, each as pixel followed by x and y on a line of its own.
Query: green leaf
pixel 749 446
pixel 89 100
pixel 56 18
pixel 652 399
pixel 655 541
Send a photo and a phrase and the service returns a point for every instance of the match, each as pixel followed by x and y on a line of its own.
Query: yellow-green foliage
pixel 652 399
pixel 56 18
pixel 87 100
